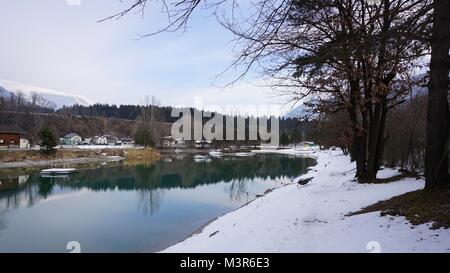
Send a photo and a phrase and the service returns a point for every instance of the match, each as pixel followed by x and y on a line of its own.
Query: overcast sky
pixel 51 44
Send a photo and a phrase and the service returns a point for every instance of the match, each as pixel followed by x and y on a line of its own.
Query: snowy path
pixel 311 218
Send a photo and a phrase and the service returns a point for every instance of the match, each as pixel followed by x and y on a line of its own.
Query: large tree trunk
pixel 376 130
pixel 436 158
pixel 358 149
pixel 381 136
pixel 373 142
pixel 376 142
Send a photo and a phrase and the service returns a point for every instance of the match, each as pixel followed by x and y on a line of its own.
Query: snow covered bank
pixel 311 218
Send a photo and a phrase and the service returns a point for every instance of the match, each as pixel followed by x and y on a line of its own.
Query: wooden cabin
pixel 10 136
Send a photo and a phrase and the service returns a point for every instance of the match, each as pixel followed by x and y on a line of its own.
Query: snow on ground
pixel 311 218
pixel 387 172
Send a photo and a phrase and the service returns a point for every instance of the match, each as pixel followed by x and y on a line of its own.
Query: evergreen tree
pixel 296 137
pixel 284 139
pixel 144 136
pixel 48 140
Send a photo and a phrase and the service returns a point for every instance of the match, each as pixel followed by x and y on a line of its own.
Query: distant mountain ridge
pixel 58 98
pixel 296 112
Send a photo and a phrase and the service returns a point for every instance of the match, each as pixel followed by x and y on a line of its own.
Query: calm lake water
pixel 133 208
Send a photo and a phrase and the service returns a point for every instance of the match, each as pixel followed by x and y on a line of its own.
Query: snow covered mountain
pixel 55 97
pixel 296 112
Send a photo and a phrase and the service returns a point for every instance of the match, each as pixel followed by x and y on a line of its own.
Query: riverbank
pixel 30 158
pixel 79 160
pixel 316 217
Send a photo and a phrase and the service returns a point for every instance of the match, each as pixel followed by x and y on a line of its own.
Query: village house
pixel 111 140
pixel 127 141
pixel 171 142
pixel 107 140
pixel 100 140
pixel 75 139
pixel 86 141
pixel 11 136
pixel 71 139
pixel 167 141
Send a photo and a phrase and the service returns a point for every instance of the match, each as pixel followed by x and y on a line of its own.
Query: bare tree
pixel 149 116
pixel 148 110
pixel 340 55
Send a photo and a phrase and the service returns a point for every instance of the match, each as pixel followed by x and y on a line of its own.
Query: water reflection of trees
pixel 149 200
pixel 2 220
pixel 150 181
pixel 238 189
pixel 24 195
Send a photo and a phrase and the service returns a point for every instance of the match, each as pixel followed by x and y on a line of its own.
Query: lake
pixel 120 208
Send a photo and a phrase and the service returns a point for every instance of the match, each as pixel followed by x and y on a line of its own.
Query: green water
pixel 133 208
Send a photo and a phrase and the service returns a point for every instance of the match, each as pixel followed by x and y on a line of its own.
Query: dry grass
pixel 22 155
pixel 418 207
pixel 145 156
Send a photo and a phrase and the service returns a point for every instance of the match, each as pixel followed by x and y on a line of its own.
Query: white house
pixel 87 141
pixel 100 140
pixel 111 140
pixel 72 139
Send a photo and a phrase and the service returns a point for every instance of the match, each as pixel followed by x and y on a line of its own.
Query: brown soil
pixel 418 207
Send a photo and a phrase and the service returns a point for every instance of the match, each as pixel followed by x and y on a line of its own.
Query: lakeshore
pixel 322 210
pixel 133 207
pixel 316 217
pixel 32 158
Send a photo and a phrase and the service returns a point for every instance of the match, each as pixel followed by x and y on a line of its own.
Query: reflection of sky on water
pixel 129 209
